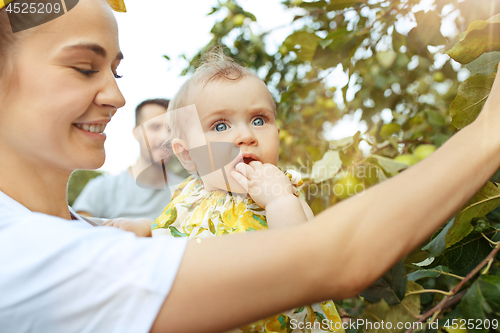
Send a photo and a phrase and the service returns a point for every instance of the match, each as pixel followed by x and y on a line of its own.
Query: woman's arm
pixel 225 282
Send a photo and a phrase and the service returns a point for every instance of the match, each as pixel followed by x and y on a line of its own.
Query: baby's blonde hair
pixel 214 66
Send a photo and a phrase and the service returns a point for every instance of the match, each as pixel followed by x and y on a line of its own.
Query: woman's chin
pixel 94 162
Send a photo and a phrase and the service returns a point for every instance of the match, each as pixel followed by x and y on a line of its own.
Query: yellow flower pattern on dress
pixel 197 213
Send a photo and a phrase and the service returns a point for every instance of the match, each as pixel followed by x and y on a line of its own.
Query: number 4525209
pixel 33 8
pixel 477 324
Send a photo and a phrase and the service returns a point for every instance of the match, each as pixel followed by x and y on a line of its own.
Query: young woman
pixel 60 274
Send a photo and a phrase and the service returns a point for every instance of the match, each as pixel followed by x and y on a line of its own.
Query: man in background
pixel 144 189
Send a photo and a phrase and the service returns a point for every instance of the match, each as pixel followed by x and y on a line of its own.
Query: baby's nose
pixel 245 137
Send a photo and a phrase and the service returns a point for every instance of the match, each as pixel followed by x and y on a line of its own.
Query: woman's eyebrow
pixel 97 49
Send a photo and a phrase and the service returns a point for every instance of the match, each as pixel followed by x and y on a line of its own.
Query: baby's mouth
pixel 247 160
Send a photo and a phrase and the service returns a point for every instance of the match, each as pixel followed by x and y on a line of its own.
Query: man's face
pixel 153 135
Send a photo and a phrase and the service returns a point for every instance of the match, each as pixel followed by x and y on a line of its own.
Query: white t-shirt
pixel 67 276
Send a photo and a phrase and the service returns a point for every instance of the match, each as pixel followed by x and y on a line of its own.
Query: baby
pixel 224 132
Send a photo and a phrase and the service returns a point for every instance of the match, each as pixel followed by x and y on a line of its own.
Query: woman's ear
pixel 180 150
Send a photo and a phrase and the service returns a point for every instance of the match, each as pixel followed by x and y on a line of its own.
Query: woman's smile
pixel 93 130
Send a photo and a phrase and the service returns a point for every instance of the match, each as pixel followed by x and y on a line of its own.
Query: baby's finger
pixel 244 169
pixel 241 179
pixel 256 164
pixel 108 223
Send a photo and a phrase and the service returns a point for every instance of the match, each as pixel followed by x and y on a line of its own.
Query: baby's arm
pixel 271 189
pixel 140 227
pixel 287 211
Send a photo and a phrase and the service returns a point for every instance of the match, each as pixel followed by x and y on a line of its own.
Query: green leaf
pixel 303 43
pixel 343 44
pixel 340 143
pixel 250 15
pixel 481 300
pixel 483 202
pixel 402 313
pixel 214 9
pixel 327 167
pixel 485 64
pixel 427 273
pixel 389 165
pixel 313 4
pixel 490 285
pixel 435 118
pixel 376 312
pixel 481 37
pixel 472 95
pixel 438 244
pixel 427 31
pixel 342 4
pixel 391 286
pixel 472 306
pixel 439 139
pixel 389 129
pixel 77 181
pixel 462 257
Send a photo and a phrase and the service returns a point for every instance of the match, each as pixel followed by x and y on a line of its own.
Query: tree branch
pixel 441 305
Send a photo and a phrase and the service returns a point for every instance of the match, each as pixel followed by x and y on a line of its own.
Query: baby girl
pixel 224 132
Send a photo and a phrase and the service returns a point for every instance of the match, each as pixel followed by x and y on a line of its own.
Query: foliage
pixel 77 182
pixel 409 95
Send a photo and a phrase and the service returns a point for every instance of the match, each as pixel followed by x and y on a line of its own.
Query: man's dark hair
pixel 156 101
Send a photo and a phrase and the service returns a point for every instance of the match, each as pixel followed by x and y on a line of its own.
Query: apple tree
pixel 413 84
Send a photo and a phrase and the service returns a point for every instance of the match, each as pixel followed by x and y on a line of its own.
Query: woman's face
pixel 61 90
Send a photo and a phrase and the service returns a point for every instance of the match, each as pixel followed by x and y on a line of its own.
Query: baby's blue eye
pixel 258 122
pixel 221 127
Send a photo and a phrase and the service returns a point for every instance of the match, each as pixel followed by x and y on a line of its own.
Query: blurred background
pixel 178 30
pixel 334 67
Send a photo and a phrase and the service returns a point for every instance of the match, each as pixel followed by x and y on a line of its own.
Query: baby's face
pixel 241 112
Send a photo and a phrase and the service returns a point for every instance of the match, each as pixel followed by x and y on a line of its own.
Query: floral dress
pixel 197 213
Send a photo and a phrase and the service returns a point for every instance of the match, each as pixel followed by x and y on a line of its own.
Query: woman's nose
pixel 110 95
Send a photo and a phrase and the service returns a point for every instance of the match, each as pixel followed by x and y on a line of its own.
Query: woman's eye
pixel 258 122
pixel 221 127
pixel 86 72
pixel 117 76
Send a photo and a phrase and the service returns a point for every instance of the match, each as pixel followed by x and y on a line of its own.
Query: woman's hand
pixel 140 227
